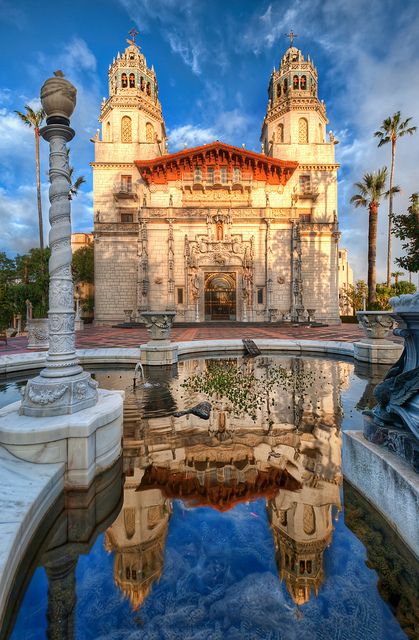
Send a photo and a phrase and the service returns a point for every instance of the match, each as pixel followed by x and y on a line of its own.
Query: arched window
pixel 320 133
pixel 278 90
pixel 237 174
pixel 124 81
pixel 142 83
pixel 148 89
pixel 126 129
pixel 285 85
pixel 303 82
pixel 131 80
pixel 280 132
pixel 149 132
pixel 108 132
pixel 303 131
pixel 295 83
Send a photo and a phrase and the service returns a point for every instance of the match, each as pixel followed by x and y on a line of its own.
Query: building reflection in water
pixel 295 466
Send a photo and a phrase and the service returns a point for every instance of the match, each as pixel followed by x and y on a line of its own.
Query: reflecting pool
pixel 235 527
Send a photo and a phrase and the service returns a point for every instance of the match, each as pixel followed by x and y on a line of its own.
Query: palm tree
pixel 74 186
pixel 34 120
pixel 392 129
pixel 397 275
pixel 371 192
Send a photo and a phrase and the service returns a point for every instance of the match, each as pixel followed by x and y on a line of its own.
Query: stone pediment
pixel 227 165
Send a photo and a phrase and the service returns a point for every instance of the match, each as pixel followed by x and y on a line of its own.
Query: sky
pixel 213 62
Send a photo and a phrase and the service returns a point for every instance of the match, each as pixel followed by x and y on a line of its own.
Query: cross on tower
pixel 291 35
pixel 133 33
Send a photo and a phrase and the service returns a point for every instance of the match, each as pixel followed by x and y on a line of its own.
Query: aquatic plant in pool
pixel 244 391
pixel 226 529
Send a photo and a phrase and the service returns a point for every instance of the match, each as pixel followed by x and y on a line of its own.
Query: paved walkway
pixel 97 337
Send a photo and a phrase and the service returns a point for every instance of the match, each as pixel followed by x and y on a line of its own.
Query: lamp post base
pixel 45 397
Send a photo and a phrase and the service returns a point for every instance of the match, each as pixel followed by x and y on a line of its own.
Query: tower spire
pixel 291 35
pixel 133 33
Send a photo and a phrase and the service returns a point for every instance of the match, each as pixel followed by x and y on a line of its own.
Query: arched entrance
pixel 220 296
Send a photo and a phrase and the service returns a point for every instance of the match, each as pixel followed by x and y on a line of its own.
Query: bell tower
pixel 131 117
pixel 295 117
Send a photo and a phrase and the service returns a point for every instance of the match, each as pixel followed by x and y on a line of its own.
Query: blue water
pixel 220 581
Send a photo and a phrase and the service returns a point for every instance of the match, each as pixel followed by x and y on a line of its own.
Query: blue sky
pixel 213 62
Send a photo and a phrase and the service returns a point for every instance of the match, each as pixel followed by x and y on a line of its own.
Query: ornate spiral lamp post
pixel 62 387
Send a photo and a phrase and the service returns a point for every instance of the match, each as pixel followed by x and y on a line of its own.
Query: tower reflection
pixel 295 466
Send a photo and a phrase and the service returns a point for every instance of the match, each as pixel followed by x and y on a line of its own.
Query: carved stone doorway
pixel 220 296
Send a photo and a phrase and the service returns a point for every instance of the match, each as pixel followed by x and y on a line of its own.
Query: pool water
pixel 235 527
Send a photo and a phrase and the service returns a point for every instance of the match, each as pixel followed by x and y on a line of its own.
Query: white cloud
pixel 229 126
pixel 183 25
pixel 18 208
pixel 372 62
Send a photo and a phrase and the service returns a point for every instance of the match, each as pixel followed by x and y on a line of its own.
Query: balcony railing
pixel 307 193
pixel 124 190
pixel 218 179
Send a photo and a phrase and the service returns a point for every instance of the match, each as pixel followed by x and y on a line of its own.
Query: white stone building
pixel 346 280
pixel 215 232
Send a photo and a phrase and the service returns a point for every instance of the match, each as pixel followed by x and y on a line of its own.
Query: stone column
pixel 171 268
pixel 297 307
pixel 143 284
pixel 268 269
pixel 61 598
pixel 62 387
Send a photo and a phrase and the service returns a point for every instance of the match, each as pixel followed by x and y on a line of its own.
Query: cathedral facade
pixel 215 232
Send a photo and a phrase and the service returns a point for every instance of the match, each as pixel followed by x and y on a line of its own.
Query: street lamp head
pixel 58 98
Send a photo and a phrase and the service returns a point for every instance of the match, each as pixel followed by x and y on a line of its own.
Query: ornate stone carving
pixel 376 324
pixel 158 323
pixel 38 333
pixel 297 306
pixel 46 394
pixel 398 394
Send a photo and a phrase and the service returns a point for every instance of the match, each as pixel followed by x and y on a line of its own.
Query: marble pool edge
pixel 16 540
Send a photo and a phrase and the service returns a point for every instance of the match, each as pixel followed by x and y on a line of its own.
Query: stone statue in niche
pixel 219 231
pixel 193 259
pixel 195 284
pixel 247 283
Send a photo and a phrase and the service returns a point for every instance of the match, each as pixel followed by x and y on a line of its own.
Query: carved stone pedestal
pixel 88 442
pixel 159 350
pixel 38 335
pixel 401 441
pixel 374 348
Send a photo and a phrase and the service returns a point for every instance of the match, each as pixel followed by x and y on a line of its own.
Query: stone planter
pixel 38 334
pixel 159 351
pixel 375 348
pixel 376 324
pixel 158 323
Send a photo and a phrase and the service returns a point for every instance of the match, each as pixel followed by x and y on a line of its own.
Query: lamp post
pixel 62 387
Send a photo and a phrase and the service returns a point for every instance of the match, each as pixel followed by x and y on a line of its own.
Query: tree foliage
pixel 406 228
pixel 354 295
pixel 390 131
pixel 82 265
pixel 34 119
pixel 22 278
pixel 371 191
pixel 384 293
